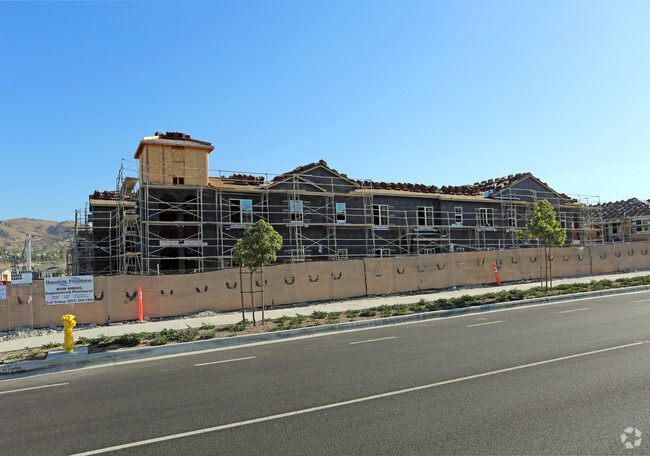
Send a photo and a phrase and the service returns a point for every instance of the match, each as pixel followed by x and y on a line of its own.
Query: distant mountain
pixel 50 239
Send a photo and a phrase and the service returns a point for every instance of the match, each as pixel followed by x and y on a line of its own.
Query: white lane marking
pixel 34 388
pixel 371 340
pixel 486 323
pixel 643 300
pixel 224 361
pixel 573 310
pixel 349 402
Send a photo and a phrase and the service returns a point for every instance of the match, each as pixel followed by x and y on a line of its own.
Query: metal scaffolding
pixel 150 226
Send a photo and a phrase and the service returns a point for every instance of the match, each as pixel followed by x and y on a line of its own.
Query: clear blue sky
pixel 436 92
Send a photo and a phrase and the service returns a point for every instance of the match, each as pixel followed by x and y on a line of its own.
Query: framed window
pixel 425 216
pixel 512 217
pixel 178 180
pixel 380 214
pixel 486 216
pixel 295 210
pixel 297 255
pixel 340 213
pixel 241 211
pixel 458 215
pixel 383 253
pixel 562 217
pixel 641 226
pixel 342 254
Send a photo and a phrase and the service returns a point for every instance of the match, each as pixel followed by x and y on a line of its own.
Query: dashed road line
pixel 224 361
pixel 573 310
pixel 34 388
pixel 486 323
pixel 371 340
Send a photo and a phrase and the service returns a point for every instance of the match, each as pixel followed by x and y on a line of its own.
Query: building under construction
pixel 171 214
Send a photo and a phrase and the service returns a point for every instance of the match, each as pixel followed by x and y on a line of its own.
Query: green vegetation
pixel 51 345
pixel 257 248
pixel 318 314
pixel 128 340
pixel 543 226
pixel 368 313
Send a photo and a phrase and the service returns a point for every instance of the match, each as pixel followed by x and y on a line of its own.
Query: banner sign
pixel 3 290
pixel 19 279
pixel 68 290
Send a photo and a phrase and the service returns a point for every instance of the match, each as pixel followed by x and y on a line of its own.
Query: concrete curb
pixel 27 368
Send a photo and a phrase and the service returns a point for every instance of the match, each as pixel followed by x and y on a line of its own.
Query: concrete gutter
pixel 79 359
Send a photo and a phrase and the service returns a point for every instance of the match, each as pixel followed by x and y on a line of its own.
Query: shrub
pixel 334 315
pixel 169 334
pixel 128 340
pixel 208 335
pixel 516 295
pixel 351 313
pixel 416 307
pixel 368 313
pixel 399 309
pixel 207 326
pixel 159 339
pixel 101 341
pixel 318 314
pixel 53 345
pixel 83 341
pixel 188 335
pixel 240 326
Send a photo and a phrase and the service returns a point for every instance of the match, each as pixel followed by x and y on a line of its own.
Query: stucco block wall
pixel 116 296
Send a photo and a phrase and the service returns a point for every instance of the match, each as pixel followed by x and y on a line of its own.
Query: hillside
pixel 50 239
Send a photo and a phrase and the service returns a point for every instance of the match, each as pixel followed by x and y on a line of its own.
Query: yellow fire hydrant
pixel 68 324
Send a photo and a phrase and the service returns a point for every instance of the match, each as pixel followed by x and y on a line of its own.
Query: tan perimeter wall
pixel 304 282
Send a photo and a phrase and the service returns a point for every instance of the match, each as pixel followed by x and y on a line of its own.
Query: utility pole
pixel 28 252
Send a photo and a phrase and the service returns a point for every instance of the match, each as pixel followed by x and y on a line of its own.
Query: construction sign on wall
pixel 21 279
pixel 3 290
pixel 68 290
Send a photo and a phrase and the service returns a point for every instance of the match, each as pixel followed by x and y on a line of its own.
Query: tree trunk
pixel 252 299
pixel 241 294
pixel 541 272
pixel 545 268
pixel 550 267
pixel 262 279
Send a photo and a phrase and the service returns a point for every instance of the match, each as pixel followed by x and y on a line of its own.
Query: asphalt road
pixel 565 378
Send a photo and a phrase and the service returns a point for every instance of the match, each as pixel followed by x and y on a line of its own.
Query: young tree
pixel 257 248
pixel 542 225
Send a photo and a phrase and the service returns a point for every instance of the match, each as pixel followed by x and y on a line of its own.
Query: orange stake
pixel 496 273
pixel 140 304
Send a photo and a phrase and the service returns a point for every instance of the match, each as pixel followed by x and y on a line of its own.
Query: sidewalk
pixel 306 309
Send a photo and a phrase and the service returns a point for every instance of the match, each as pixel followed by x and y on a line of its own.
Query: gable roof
pixel 495 186
pixel 304 170
pixel 620 210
